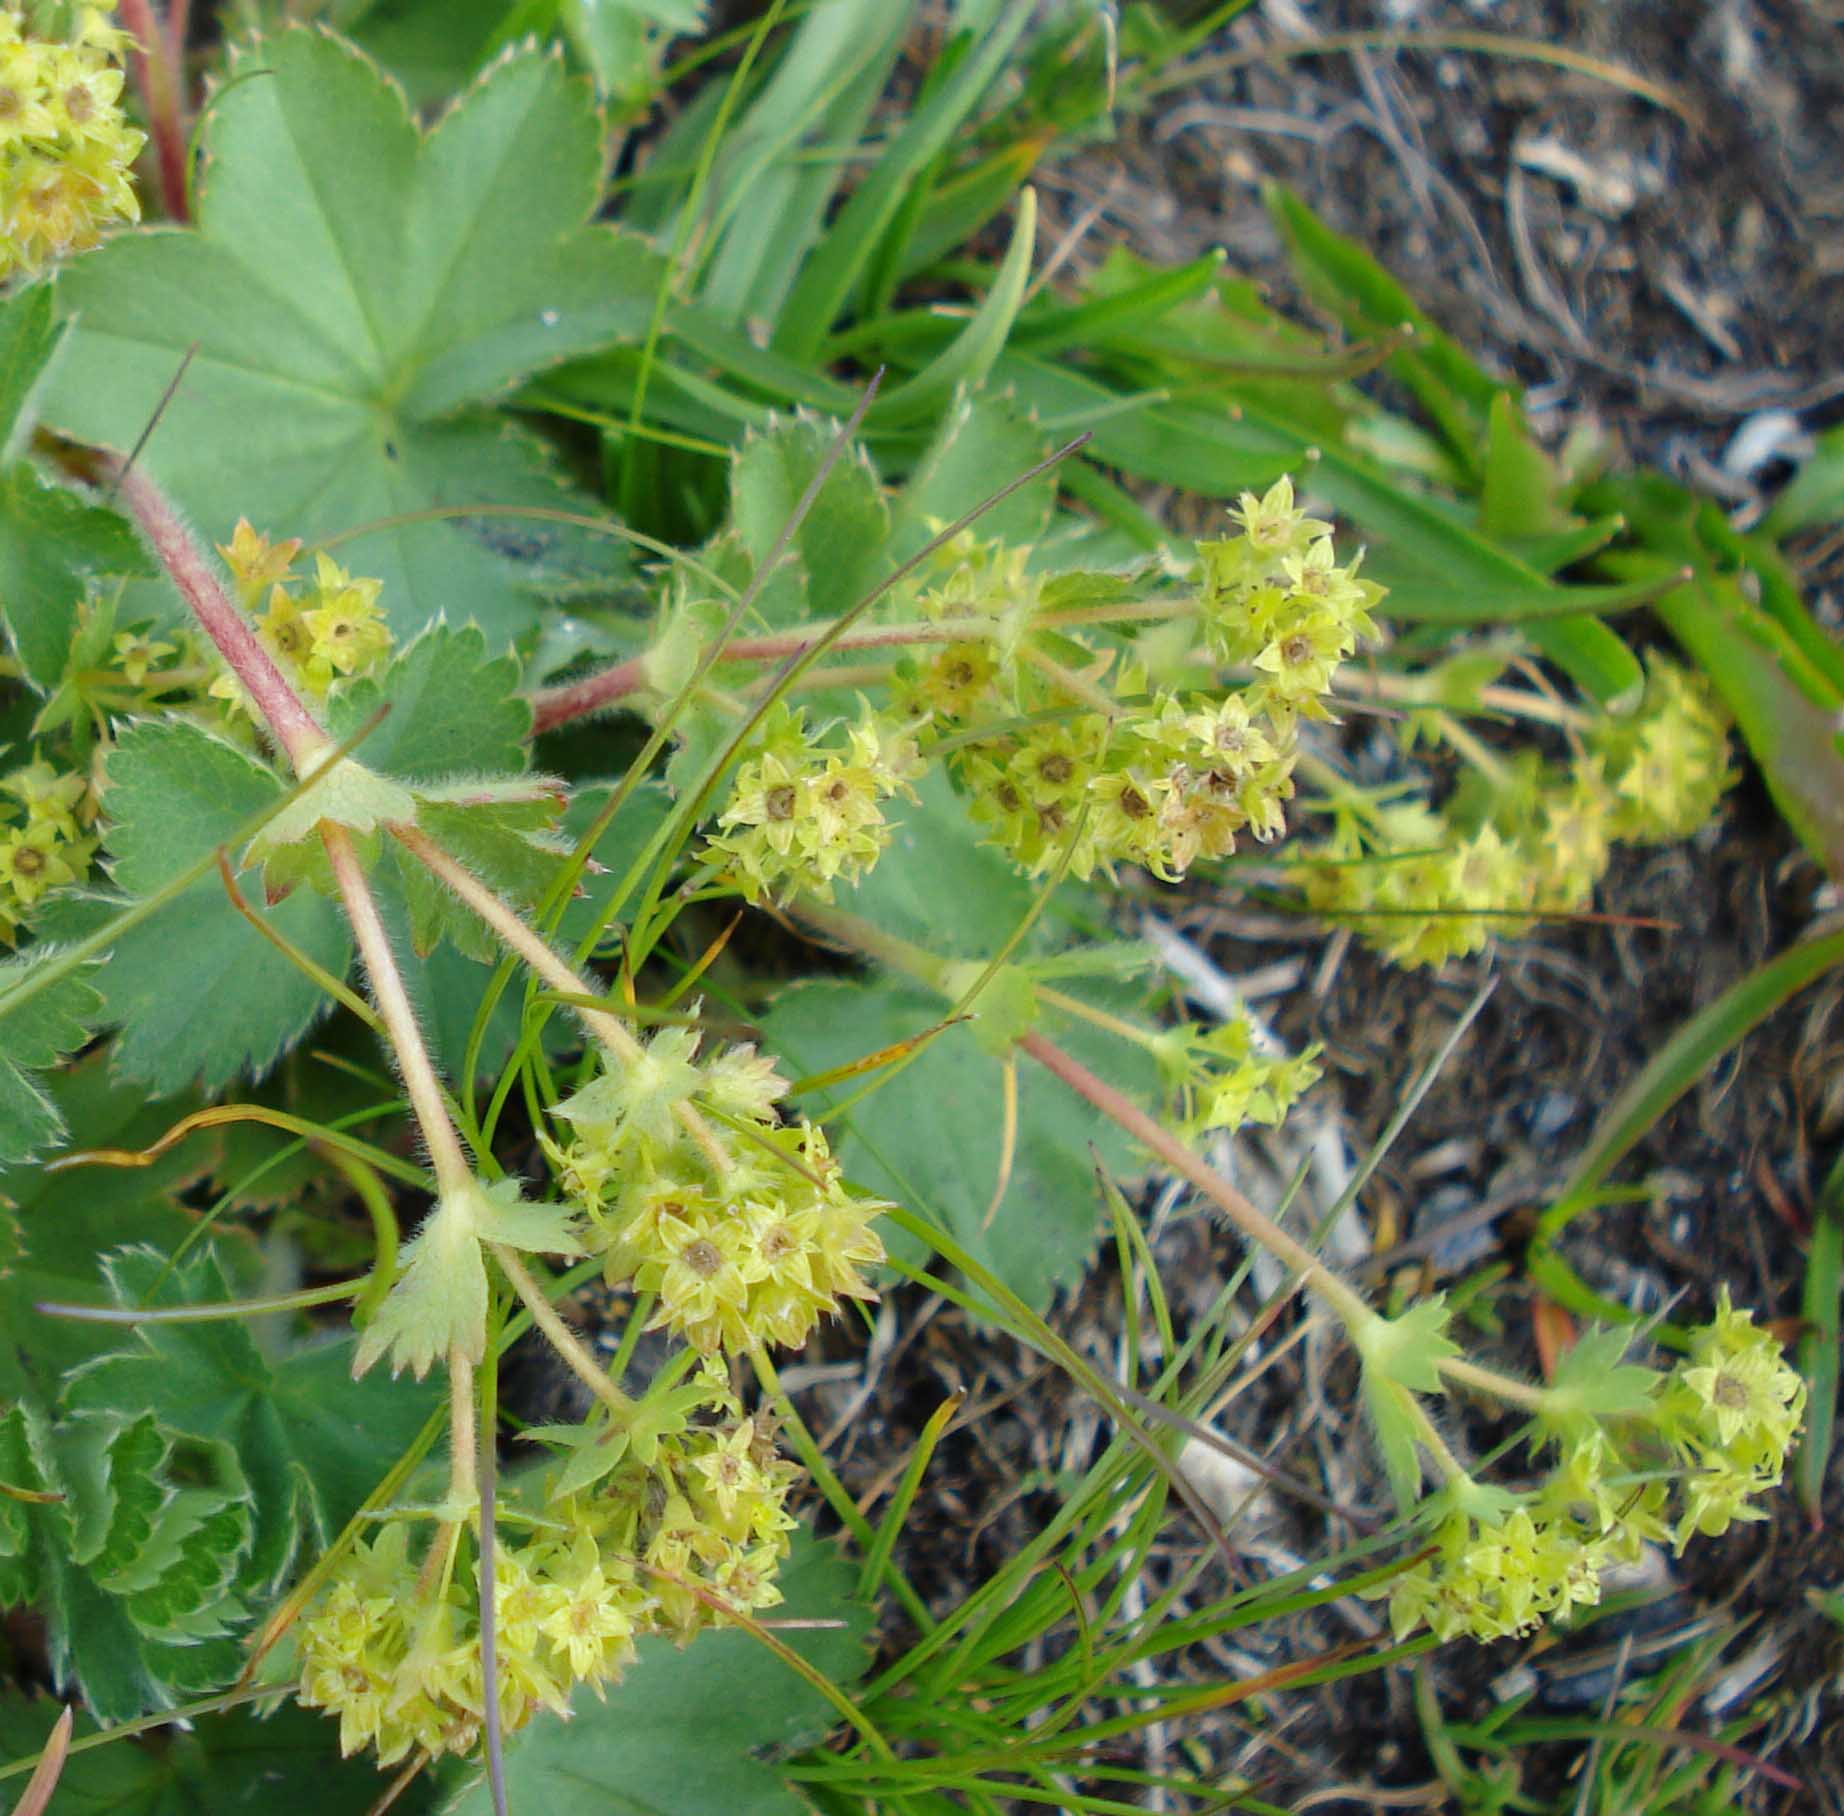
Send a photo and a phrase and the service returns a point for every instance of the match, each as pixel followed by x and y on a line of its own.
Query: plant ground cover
pixel 1678 309
pixel 1487 1143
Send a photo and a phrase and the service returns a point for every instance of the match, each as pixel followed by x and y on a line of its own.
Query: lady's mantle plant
pixel 1152 718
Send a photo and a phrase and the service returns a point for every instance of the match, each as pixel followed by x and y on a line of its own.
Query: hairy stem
pixel 291 723
pixel 452 1171
pixel 157 68
pixel 1253 1223
pixel 1493 1385
pixel 1451 1468
pixel 913 961
pixel 608 687
pixel 511 929
pixel 562 1339
pixel 463 1441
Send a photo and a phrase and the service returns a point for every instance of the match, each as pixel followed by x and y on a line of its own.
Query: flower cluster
pixel 1667 765
pixel 333 629
pixel 1532 838
pixel 44 837
pixel 1420 892
pixel 682 1540
pixel 745 1230
pixel 1499 1565
pixel 1275 599
pixel 1224 1076
pixel 1687 1453
pixel 65 150
pixel 804 813
pixel 1731 1412
pixel 1067 752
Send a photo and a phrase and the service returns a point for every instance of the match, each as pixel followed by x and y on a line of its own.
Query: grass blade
pixel 1818 1346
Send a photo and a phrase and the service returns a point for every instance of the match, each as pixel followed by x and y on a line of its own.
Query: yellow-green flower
pixel 36 858
pixel 346 627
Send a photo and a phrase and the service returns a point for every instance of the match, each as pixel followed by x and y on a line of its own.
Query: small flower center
pixel 779 802
pixel 1056 768
pixel 1729 1392
pixel 702 1257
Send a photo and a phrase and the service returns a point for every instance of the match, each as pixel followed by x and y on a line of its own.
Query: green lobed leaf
pixel 1595 1375
pixel 125 1618
pixel 132 1455
pixel 1394 1429
pixel 455 710
pixel 197 991
pixel 693 1732
pixel 936 885
pixel 358 291
pixel 55 1226
pixel 30 337
pixel 840 545
pixel 983 439
pixel 1409 1348
pixel 947 1101
pixel 38 1033
pixel 313 1442
pixel 509 845
pixel 53 544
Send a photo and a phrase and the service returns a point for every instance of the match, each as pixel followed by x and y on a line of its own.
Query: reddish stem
pixel 155 65
pixel 575 699
pixel 578 699
pixel 291 723
pixel 1255 1224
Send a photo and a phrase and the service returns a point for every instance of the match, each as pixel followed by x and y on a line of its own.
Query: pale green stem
pixel 1450 1466
pixel 912 960
pixel 1412 690
pixel 452 1171
pixel 594 693
pixel 562 1339
pixel 510 927
pixel 463 1441
pixel 1077 687
pixel 1485 761
pixel 1494 1385
pixel 1099 1018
